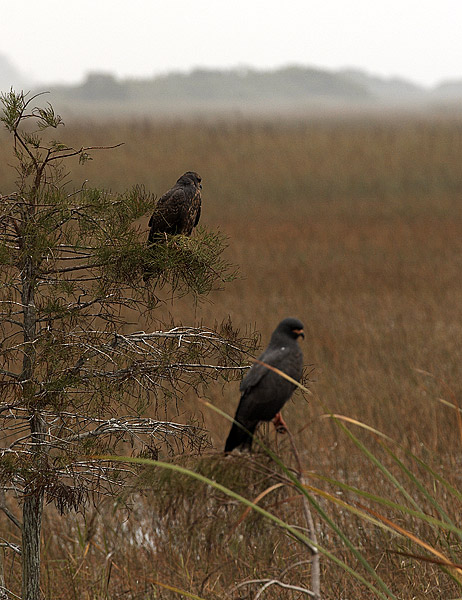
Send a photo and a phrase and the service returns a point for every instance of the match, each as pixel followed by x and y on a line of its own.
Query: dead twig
pixel 269 582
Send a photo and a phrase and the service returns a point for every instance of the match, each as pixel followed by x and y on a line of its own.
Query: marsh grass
pixel 354 227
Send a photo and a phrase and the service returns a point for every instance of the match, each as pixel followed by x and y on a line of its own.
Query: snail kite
pixel 179 209
pixel 264 392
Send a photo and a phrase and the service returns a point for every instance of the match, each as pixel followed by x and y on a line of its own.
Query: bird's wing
pixel 270 356
pixel 198 214
pixel 169 211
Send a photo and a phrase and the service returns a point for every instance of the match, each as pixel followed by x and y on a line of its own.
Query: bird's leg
pixel 279 423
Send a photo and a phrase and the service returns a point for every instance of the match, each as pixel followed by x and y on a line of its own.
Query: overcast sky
pixel 56 40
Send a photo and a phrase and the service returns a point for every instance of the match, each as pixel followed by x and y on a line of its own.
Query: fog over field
pixel 291 91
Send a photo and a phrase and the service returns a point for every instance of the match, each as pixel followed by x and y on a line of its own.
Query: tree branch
pixel 134 426
pixel 269 582
pixel 15 548
pixel 83 149
pixel 15 376
pixel 68 269
pixel 7 511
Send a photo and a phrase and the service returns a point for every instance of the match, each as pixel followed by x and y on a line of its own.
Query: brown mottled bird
pixel 179 209
pixel 264 392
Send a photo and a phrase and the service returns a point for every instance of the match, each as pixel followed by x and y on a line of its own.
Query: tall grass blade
pixel 338 419
pixel 384 594
pixel 175 589
pixel 409 473
pixel 416 540
pixel 389 503
pixel 311 499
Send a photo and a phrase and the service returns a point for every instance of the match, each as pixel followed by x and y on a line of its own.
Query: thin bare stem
pixel 315 559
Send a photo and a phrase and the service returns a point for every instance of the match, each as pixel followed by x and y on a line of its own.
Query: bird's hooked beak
pixel 300 332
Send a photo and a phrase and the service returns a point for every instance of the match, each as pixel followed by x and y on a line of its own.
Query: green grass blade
pixel 376 462
pixel 409 473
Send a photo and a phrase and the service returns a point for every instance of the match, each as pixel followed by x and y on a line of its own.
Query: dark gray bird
pixel 179 209
pixel 264 392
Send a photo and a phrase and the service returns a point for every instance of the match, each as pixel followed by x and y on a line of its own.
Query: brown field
pixel 355 227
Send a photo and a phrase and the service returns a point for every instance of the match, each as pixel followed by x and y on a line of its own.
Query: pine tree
pixel 72 385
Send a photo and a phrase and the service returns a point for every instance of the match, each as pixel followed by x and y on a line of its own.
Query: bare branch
pixel 81 151
pixel 268 582
pixel 134 426
pixel 5 544
pixel 6 510
pixel 68 269
pixel 14 376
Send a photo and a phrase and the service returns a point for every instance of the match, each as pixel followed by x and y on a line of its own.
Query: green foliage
pixel 13 107
pixel 186 264
pixel 48 118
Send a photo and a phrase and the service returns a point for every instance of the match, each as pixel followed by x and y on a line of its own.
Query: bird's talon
pixel 279 423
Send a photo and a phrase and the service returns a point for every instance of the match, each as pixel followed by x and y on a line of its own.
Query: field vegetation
pixel 355 227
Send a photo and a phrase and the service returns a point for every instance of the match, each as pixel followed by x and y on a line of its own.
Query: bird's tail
pixel 240 438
